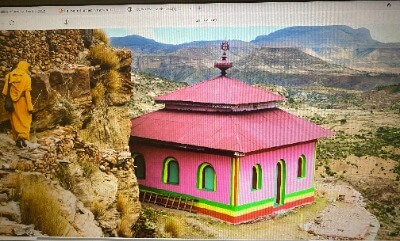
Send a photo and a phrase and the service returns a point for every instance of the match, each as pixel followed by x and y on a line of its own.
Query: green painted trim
pixel 282 190
pixel 164 175
pixel 301 192
pixel 161 191
pixel 200 177
pixel 259 177
pixel 303 166
pixel 226 206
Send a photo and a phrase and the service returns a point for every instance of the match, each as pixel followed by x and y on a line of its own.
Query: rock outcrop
pixel 63 80
pixel 345 217
pixel 81 175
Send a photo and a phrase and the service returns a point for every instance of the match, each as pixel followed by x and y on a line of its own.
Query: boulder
pixel 72 84
pixel 109 127
pixel 11 211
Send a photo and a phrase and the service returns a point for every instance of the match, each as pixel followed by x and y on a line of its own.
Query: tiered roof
pixel 224 114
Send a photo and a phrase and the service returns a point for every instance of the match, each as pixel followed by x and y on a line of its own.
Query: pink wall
pixel 268 162
pixel 188 165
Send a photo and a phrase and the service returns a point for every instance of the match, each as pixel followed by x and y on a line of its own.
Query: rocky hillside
pixel 354 48
pixel 65 75
pixel 146 88
pixel 349 58
pixel 76 159
pixel 318 36
pixel 81 185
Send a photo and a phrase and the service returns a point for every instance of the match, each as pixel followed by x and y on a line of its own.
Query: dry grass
pixel 98 208
pixel 173 227
pixel 125 227
pixel 123 204
pixel 101 35
pixel 98 93
pixel 88 168
pixel 113 80
pixel 40 207
pixel 24 166
pixel 105 57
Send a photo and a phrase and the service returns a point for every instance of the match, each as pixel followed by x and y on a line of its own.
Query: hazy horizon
pixel 179 35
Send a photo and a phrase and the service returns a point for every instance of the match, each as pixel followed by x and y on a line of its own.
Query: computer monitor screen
pixel 268 120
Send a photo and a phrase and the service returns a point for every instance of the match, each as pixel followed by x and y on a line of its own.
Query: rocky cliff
pixel 63 79
pixel 80 128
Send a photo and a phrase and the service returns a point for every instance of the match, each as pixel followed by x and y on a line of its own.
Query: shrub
pixel 65 178
pixel 173 227
pixel 41 208
pixel 98 93
pixel 113 80
pixel 98 208
pixel 146 227
pixel 125 227
pixel 88 168
pixel 101 35
pixel 123 204
pixel 127 223
pixel 105 57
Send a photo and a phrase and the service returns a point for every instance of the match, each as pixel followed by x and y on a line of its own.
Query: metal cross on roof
pixel 225 45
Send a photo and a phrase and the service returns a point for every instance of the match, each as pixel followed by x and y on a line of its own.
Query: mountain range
pixel 303 55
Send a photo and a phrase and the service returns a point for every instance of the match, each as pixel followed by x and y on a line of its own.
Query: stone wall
pixel 44 50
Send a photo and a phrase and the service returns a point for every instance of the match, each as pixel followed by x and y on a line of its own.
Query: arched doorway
pixel 140 166
pixel 280 182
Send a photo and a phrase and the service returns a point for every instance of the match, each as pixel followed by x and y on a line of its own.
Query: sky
pixel 245 22
pixel 184 35
pixel 388 33
pixel 182 23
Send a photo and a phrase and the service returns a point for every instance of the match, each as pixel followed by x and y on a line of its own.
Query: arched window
pixel 256 179
pixel 140 166
pixel 170 171
pixel 301 167
pixel 206 177
pixel 280 190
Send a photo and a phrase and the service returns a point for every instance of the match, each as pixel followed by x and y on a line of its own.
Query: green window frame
pixel 256 178
pixel 280 177
pixel 170 173
pixel 206 178
pixel 301 167
pixel 139 166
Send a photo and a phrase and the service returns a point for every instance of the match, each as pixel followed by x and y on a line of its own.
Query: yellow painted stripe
pixel 233 182
pixel 237 180
pixel 250 209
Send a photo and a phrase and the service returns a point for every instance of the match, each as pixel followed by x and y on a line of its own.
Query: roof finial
pixel 223 65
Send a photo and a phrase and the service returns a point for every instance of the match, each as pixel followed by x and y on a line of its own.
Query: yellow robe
pixel 20 87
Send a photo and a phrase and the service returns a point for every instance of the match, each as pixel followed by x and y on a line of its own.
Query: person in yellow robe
pixel 20 92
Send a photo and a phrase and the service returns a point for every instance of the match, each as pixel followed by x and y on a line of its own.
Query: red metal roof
pixel 221 90
pixel 242 132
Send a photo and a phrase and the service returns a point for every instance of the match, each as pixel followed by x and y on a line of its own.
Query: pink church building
pixel 228 146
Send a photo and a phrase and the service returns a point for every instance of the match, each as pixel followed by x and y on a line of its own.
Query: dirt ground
pixel 323 219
